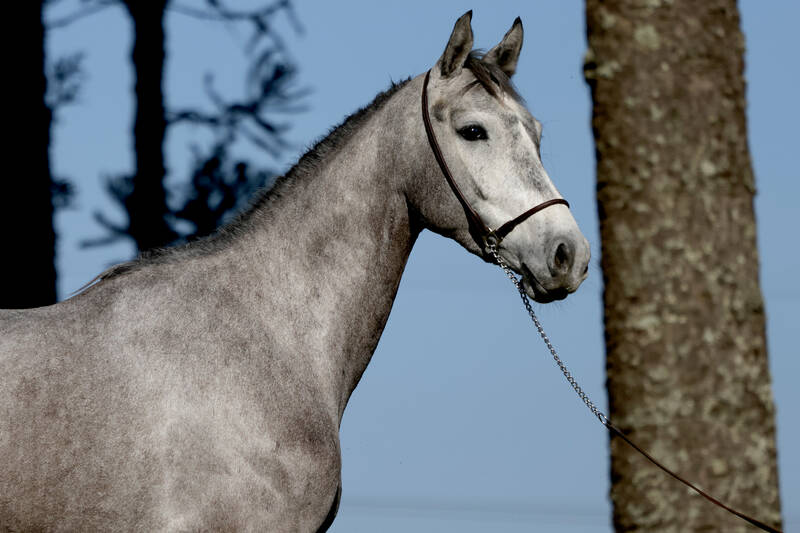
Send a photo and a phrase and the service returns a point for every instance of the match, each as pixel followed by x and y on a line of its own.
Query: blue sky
pixel 461 422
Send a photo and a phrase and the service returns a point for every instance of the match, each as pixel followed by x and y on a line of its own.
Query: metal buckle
pixel 491 239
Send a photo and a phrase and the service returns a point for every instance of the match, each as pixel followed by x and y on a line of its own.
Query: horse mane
pixel 488 75
pixel 308 162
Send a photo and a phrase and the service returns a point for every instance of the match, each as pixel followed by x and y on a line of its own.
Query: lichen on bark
pixel 684 316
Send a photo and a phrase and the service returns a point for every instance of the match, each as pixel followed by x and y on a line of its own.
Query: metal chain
pixel 564 370
pixel 492 249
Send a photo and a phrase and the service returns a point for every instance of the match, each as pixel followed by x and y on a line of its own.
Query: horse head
pixel 490 143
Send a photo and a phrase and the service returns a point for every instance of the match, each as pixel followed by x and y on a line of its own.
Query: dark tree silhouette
pixel 684 317
pixel 147 202
pixel 28 264
pixel 217 189
pixel 218 185
pixel 210 197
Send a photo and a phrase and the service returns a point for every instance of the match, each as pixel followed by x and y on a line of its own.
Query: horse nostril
pixel 562 261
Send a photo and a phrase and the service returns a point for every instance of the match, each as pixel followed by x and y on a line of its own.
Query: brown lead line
pixel 599 414
pixel 491 240
pixel 759 524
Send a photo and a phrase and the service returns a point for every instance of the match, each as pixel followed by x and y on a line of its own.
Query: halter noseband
pixel 487 236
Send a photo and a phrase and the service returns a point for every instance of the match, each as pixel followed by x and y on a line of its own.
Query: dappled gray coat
pixel 202 387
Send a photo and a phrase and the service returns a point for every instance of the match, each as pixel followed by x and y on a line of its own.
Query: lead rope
pixel 492 248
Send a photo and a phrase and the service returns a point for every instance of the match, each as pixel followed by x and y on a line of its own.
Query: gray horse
pixel 201 387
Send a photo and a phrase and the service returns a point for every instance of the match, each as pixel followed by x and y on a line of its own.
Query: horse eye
pixel 473 132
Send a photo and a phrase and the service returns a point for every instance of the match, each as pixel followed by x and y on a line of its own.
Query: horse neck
pixel 338 240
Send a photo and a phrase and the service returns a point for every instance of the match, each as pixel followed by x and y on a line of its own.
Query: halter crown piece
pixel 486 236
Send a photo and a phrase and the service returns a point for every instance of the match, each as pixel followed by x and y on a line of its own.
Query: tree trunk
pixel 684 317
pixel 147 204
pixel 28 264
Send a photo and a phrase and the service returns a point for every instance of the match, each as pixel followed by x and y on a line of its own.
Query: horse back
pixel 112 420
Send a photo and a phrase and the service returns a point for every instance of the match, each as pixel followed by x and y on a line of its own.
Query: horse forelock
pixel 490 76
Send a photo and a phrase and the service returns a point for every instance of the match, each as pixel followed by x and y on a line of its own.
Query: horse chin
pixel 537 292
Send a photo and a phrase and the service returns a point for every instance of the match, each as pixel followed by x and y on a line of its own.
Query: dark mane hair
pixel 309 161
pixel 488 75
pixel 226 233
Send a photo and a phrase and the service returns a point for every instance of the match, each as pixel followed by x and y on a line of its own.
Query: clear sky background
pixel 461 422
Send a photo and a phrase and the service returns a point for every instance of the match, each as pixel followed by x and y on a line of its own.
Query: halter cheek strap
pixel 485 235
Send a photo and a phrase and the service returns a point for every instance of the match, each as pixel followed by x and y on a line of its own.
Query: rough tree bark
pixel 28 263
pixel 684 316
pixel 147 204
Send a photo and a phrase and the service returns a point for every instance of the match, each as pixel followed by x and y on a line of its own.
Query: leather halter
pixel 485 235
pixel 490 238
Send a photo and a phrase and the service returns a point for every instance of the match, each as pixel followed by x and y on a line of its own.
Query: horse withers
pixel 201 387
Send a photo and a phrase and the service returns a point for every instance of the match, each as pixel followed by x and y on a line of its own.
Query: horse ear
pixel 458 47
pixel 506 53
